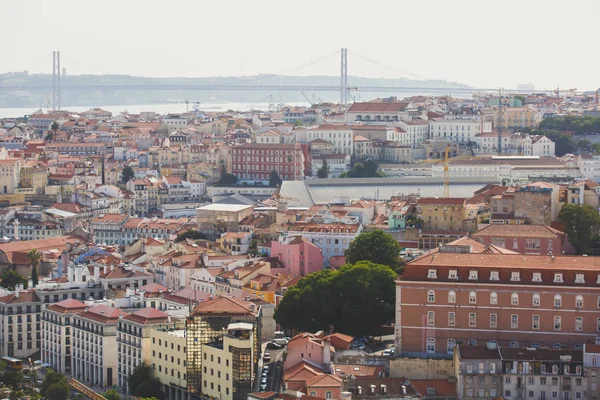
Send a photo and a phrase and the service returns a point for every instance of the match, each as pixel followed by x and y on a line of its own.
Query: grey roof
pixel 236 199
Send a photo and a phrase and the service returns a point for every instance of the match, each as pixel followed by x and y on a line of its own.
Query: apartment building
pixel 516 300
pixel 416 132
pixel 10 175
pixel 478 371
pixel 379 112
pixel 298 255
pixel 525 239
pixel 339 136
pixel 169 358
pixel 517 117
pixel 442 214
pixel 21 330
pixel 56 329
pixel 228 363
pixel 462 130
pixel 591 366
pixel 208 322
pixel 95 345
pixel 134 340
pixel 255 161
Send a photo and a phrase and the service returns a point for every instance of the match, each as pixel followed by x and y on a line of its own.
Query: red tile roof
pixel 67 306
pixel 224 306
pixel 25 296
pixel 148 315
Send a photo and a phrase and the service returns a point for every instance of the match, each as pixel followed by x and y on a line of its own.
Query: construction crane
pixel 500 120
pixel 446 174
pixel 307 99
pixel 570 91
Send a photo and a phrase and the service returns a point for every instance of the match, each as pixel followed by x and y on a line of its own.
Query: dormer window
pixel 432 274
pixel 515 276
pixel 494 276
pixel 473 275
pixel 453 274
pixel 537 277
pixel 558 277
pixel 579 278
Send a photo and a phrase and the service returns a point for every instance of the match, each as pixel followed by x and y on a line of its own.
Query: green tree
pixel 581 223
pixel 253 248
pixel 275 180
pixel 143 383
pixel 12 378
pixel 298 123
pixel 189 234
pixel 357 300
pixel 378 247
pixel 127 174
pixel 226 178
pixel 11 278
pixel 34 257
pixel 584 144
pixel 112 394
pixel 51 378
pixel 368 169
pixel 323 172
pixel 58 391
pixel 54 126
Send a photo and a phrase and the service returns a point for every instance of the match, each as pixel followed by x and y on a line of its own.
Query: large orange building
pixel 448 297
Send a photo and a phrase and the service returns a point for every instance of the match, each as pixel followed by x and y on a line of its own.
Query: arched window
pixel 579 301
pixel 450 346
pixel 567 370
pixel 431 296
pixel 472 298
pixel 359 117
pixel 514 299
pixel 555 369
pixel 430 345
pixel 557 301
pixel 472 342
pixel 493 298
pixel 535 300
pixel 514 343
pixel 452 297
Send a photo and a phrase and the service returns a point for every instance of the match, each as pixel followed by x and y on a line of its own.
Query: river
pixel 165 108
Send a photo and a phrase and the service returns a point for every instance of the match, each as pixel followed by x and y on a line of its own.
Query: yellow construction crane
pixel 446 174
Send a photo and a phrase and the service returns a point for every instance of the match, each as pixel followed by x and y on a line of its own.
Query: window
pixel 472 319
pixel 557 301
pixel 450 344
pixel 472 298
pixel 579 278
pixel 578 324
pixel 430 318
pixel 451 319
pixel 557 323
pixel 535 300
pixel 558 277
pixel 554 371
pixel 452 274
pixel 473 275
pixel 493 369
pixel 431 296
pixel 481 370
pixel 432 274
pixel 579 302
pixel 514 299
pixel 537 277
pixel 493 298
pixel 469 368
pixel 507 393
pixel 594 361
pixel 430 345
pixel 535 322
pixel 515 276
pixel 452 297
pixel 493 320
pixel 598 324
pixel 494 276
pixel 472 342
pixel 514 343
pixel 515 243
pixel 514 321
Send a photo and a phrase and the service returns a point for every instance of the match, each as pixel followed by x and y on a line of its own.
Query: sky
pixel 483 43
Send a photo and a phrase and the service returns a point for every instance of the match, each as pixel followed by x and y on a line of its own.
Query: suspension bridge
pixel 276 82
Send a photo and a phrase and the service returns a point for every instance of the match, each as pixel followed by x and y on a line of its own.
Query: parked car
pixel 274 346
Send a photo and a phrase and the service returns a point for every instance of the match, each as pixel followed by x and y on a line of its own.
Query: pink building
pixel 524 239
pixel 309 347
pixel 299 256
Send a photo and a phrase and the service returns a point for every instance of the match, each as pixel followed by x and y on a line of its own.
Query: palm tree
pixel 34 257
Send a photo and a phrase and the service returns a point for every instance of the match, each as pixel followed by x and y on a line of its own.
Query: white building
pixel 337 163
pixel 133 340
pixel 175 121
pixel 203 279
pixel 458 130
pixel 56 327
pixel 339 136
pixel 380 111
pixel 417 131
pixel 20 316
pixel 95 345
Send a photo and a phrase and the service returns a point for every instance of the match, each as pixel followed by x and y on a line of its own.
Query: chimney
pixel 346 396
pixel 16 229
pixel 17 290
pixel 327 355
pixel 70 274
pixel 30 283
pixel 96 273
pixel 105 269
pixel 78 274
pixel 143 251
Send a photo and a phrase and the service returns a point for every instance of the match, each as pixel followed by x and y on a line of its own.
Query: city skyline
pixel 142 39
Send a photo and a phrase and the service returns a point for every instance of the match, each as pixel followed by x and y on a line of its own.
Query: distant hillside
pixel 99 98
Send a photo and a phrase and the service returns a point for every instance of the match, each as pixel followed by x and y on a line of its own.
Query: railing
pixel 80 387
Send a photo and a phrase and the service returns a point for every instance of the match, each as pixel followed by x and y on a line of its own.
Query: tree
pixel 323 172
pixel 226 178
pixel 58 391
pixel 12 378
pixel 34 257
pixel 52 378
pixel 581 223
pixel 190 234
pixel 253 248
pixel 11 278
pixel 54 126
pixel 274 179
pixel 368 169
pixel 357 300
pixel 112 394
pixel 143 383
pixel 127 174
pixel 298 123
pixel 378 247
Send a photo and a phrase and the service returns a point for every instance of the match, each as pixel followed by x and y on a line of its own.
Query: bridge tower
pixel 56 80
pixel 344 77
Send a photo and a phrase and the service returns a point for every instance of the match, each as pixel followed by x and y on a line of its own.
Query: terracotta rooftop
pixel 103 314
pixel 25 296
pixel 526 231
pixel 67 306
pixel 224 306
pixel 148 315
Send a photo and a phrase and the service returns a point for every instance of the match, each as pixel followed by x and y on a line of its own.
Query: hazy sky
pixel 485 43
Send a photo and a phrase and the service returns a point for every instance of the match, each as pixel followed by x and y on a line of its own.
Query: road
pixel 275 373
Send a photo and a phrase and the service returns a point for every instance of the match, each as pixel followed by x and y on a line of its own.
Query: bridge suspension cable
pixel 395 69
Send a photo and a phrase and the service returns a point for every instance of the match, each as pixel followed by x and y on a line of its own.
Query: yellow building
pixel 264 286
pixel 442 214
pixel 169 360
pixel 517 117
pixel 227 364
pixel 35 177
